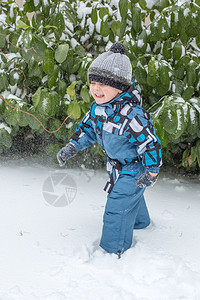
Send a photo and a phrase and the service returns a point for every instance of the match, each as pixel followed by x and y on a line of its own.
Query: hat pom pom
pixel 118 48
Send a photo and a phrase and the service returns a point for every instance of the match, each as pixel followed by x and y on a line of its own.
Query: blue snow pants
pixel 125 211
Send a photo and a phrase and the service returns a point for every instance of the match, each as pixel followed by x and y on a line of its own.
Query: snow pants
pixel 125 211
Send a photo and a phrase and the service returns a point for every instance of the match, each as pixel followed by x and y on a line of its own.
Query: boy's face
pixel 103 93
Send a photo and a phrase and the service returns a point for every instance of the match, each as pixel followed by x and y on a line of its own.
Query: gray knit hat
pixel 112 68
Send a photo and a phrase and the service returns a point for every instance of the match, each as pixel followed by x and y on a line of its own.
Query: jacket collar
pixel 130 96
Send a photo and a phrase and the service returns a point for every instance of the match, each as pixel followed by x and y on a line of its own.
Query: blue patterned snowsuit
pixel 125 132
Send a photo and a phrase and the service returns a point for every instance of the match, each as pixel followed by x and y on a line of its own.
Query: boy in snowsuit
pixel 125 133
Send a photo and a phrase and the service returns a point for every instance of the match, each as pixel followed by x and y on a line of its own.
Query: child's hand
pixel 147 179
pixel 65 153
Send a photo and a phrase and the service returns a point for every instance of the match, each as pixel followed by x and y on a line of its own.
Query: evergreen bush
pixel 64 37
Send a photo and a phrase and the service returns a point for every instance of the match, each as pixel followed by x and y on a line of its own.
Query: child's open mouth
pixel 99 96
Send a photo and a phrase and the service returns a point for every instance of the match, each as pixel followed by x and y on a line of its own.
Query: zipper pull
pixel 119 254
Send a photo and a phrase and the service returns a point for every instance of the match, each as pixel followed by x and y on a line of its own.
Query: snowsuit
pixel 125 132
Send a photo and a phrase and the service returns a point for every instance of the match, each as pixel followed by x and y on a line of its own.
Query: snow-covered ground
pixel 51 253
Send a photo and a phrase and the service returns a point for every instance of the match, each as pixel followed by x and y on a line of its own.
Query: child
pixel 125 133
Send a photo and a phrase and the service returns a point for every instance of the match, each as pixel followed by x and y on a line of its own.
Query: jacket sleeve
pixel 141 132
pixel 84 136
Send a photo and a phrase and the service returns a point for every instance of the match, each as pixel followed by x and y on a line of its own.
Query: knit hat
pixel 112 68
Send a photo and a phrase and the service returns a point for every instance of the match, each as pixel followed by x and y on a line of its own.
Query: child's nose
pixel 97 87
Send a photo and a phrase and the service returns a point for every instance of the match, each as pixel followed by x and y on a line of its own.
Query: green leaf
pixel 143 4
pixel 36 97
pixel 14 37
pixel 71 16
pixel 123 8
pixel 22 25
pixel 29 6
pixel 68 64
pixel 5 138
pixel 181 123
pixel 183 36
pixel 194 153
pixel 169 119
pixel 136 19
pixel 80 50
pixel 53 77
pixel 191 74
pixel 152 73
pixel 154 36
pixel 58 21
pixel 163 83
pixel 178 85
pixel 15 76
pixel 50 26
pixel 34 69
pixel 37 19
pixel 162 134
pixel 49 103
pixel 104 29
pixel 48 62
pixel 23 119
pixel 185 157
pixel 2 39
pixel 54 125
pixel 71 90
pixel 163 28
pixel 189 91
pixel 61 53
pixel 198 40
pixel 12 116
pixel 167 49
pixel 163 4
pixel 74 110
pixel 39 46
pixel 142 41
pixel 180 69
pixel 62 88
pixel 34 124
pixel 192 121
pixel 3 81
pixel 103 11
pixel 45 7
pixel 177 51
pixel 116 27
pixel 85 94
pixel 54 102
pixel 195 103
pixel 94 16
pixel 140 75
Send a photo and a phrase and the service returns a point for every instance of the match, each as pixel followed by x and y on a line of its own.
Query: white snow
pixel 186 12
pixel 151 3
pixel 36 2
pixel 140 43
pixel 2 19
pixel 16 76
pixel 52 253
pixel 45 2
pixel 12 6
pixel 45 103
pixel 192 115
pixel 4 126
pixel 11 96
pixel 179 121
pixel 74 43
pixel 72 77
